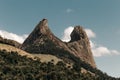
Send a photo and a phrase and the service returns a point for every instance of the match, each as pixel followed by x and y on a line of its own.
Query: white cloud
pixel 92 44
pixel 97 50
pixel 115 52
pixel 100 51
pixel 103 51
pixel 69 10
pixel 90 33
pixel 66 35
pixel 12 36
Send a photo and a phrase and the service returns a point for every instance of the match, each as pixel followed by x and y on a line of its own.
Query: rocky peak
pixel 42 40
pixel 80 45
pixel 39 37
pixel 40 30
pixel 42 27
pixel 78 34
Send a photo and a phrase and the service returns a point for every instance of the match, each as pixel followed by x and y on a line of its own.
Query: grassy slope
pixel 48 58
pixel 43 57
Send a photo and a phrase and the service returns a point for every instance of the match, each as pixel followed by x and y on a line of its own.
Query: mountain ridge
pixel 42 40
pixel 18 64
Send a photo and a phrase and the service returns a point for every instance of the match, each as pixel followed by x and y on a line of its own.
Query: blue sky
pixel 102 17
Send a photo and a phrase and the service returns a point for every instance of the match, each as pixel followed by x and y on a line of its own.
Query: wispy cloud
pixel 97 50
pixel 90 33
pixel 12 36
pixel 69 10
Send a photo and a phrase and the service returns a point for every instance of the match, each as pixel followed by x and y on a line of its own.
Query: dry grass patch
pixel 42 57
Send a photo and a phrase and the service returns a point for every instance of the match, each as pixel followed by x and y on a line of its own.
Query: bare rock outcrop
pixel 42 40
pixel 80 46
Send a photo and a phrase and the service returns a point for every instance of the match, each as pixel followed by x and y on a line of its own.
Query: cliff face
pixel 42 40
pixel 80 46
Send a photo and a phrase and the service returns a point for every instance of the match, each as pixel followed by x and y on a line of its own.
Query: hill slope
pixel 42 57
pixel 14 66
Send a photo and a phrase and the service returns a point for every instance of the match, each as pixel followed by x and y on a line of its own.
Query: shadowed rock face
pixel 78 34
pixel 42 40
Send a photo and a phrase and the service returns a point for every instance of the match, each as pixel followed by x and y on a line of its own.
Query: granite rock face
pixel 42 40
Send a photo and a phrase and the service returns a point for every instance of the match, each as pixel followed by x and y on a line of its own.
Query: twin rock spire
pixel 41 40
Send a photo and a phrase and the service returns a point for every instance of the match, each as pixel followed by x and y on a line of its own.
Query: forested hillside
pixel 16 67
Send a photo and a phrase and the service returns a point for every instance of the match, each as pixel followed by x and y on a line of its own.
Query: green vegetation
pixel 16 67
